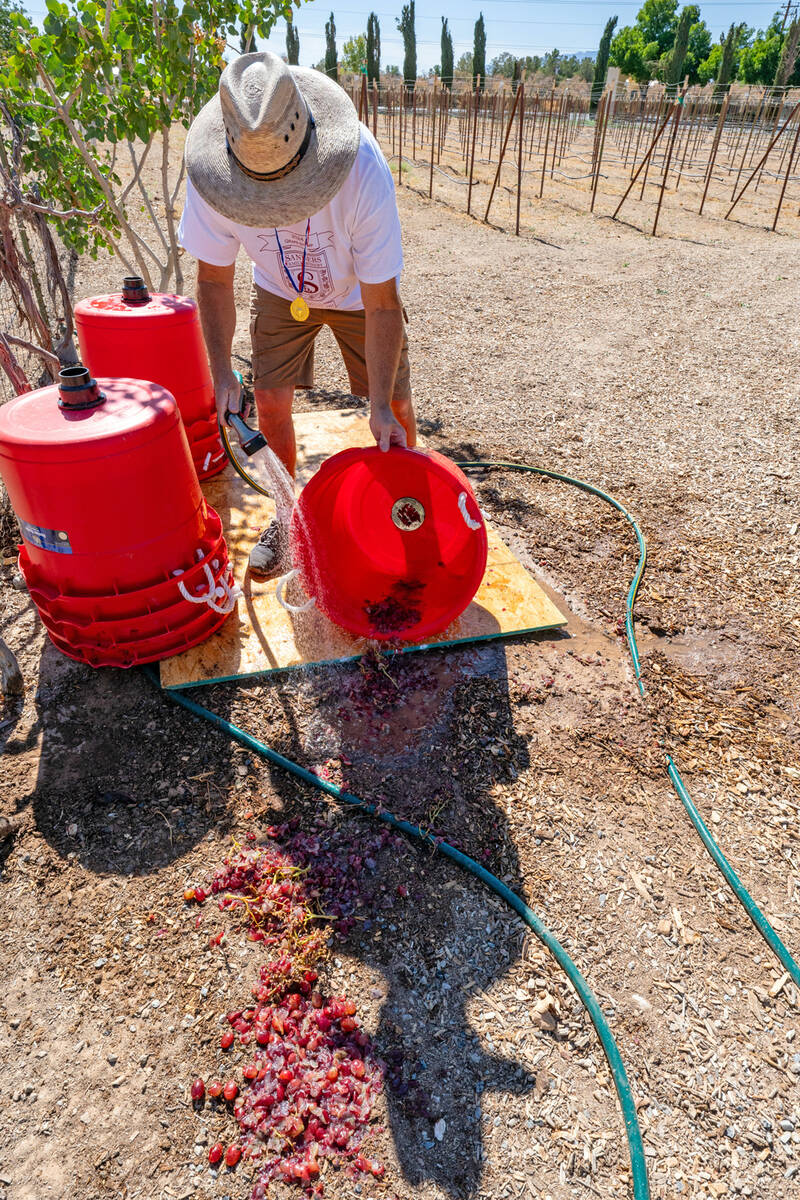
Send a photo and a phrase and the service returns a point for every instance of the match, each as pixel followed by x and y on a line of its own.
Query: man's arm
pixel 383 343
pixel 217 306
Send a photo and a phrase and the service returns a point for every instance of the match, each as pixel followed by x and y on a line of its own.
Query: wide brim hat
pixel 274 145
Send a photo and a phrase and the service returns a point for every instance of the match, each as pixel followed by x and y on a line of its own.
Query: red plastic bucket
pixel 392 545
pixel 151 650
pixel 106 494
pixel 157 337
pixel 142 644
pixel 123 557
pixel 99 604
pixel 145 621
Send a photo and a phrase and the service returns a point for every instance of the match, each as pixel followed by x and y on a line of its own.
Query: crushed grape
pixel 311 1077
pixel 313 1094
pixel 397 611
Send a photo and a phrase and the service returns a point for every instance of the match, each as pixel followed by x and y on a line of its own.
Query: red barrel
pixel 156 337
pixel 392 545
pixel 123 557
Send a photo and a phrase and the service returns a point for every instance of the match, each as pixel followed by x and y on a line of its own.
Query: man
pixel 278 163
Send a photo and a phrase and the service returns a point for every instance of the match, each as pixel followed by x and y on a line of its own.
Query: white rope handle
pixel 280 588
pixel 462 508
pixel 227 592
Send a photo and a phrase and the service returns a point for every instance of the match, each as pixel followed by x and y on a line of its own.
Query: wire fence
pixel 34 315
pixel 705 153
pixel 36 272
pixel 652 151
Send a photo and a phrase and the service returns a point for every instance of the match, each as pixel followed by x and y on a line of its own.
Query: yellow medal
pixel 299 309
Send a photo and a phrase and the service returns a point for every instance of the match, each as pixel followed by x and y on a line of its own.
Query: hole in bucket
pixel 407 513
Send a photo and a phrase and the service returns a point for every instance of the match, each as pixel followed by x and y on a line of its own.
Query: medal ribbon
pixel 302 276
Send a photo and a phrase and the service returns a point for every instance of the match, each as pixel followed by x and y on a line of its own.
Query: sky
pixel 518 26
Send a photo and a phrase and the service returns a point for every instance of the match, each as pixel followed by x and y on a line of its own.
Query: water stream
pixel 271 474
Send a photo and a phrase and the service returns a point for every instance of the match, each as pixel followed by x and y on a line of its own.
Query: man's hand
pixel 228 394
pixel 385 427
pixel 383 341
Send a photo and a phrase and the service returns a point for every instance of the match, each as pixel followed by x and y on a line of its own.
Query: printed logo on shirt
pixel 319 283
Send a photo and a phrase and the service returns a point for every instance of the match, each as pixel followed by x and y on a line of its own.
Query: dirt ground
pixel 666 372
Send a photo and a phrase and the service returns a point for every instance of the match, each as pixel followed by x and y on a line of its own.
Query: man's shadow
pixel 128 783
pixel 428 737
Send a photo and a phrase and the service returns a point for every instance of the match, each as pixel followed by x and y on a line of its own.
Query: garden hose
pixel 741 893
pixel 641 1187
pixel 630 599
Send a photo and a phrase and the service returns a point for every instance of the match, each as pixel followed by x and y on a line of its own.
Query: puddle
pixel 698 654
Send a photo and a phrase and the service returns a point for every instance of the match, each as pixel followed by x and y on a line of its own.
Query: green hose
pixel 741 893
pixel 640 566
pixel 641 1187
pixel 755 914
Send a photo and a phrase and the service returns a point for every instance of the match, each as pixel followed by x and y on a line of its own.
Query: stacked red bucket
pixel 156 336
pixel 123 557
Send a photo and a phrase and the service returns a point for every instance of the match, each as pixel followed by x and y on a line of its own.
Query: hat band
pixel 286 169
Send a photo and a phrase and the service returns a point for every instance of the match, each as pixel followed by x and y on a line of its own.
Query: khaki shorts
pixel 283 349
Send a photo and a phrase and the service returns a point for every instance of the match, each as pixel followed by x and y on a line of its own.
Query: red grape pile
pixel 313 1085
pixel 309 1089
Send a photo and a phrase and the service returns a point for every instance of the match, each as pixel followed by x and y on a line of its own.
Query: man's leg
pixel 283 358
pixel 274 407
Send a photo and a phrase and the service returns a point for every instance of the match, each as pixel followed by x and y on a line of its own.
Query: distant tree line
pixel 664 44
pixel 669 45
pixel 564 66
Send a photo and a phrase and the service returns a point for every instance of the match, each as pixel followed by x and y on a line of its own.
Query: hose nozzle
pixel 251 440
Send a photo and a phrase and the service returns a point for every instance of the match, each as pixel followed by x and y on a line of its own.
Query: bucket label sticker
pixel 46 539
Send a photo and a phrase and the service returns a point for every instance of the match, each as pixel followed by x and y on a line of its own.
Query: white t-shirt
pixel 354 237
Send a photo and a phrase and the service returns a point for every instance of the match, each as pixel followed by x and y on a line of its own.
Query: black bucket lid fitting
pixel 134 290
pixel 77 389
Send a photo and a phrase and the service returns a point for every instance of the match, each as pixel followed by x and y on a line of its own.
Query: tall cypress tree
pixel 292 44
pixel 406 27
pixel 788 55
pixel 601 62
pixel 373 49
pixel 331 69
pixel 728 55
pixel 447 55
pixel 677 55
pixel 479 54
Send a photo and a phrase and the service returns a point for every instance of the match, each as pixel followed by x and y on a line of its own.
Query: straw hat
pixel 274 145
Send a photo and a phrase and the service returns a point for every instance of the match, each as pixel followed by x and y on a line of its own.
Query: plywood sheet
pixel 260 636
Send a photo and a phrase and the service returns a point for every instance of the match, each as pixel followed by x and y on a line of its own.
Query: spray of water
pixel 271 474
pixel 267 468
pixel 273 477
